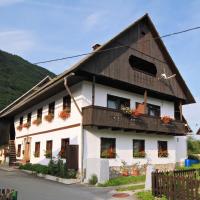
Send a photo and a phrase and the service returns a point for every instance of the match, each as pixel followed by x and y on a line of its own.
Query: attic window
pixel 142 65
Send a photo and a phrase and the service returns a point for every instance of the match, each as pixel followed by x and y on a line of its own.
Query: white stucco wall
pixel 101 91
pixel 181 148
pixel 124 146
pixel 83 95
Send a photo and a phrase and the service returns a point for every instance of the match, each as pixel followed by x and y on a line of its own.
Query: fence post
pixel 148 183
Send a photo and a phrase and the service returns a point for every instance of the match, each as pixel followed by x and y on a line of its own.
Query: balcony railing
pixel 110 118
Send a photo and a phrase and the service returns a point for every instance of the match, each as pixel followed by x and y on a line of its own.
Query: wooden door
pixel 27 149
pixel 72 157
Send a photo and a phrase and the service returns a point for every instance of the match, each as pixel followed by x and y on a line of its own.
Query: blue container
pixel 190 162
pixel 187 163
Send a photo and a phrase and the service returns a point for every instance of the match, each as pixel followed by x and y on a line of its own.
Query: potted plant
pixel 139 154
pixel 64 114
pixel 126 110
pixel 166 119
pixel 27 125
pixel 20 127
pixel 37 121
pixel 135 169
pixel 49 117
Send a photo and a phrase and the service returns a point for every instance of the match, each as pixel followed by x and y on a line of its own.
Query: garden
pixel 55 168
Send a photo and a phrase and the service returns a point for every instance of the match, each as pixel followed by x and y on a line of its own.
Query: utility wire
pixel 121 46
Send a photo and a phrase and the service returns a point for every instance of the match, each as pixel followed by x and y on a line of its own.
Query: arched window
pixel 142 65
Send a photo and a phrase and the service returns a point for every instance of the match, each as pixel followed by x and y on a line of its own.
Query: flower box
pixel 64 114
pixel 49 117
pixel 37 122
pixel 20 127
pixel 140 154
pixel 166 119
pixel 27 125
pixel 163 154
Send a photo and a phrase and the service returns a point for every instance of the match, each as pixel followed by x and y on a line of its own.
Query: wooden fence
pixel 8 194
pixel 176 185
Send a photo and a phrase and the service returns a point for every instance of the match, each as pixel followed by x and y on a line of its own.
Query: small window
pixel 138 148
pixel 115 102
pixel 39 113
pixel 21 120
pixel 162 149
pixel 52 108
pixel 153 110
pixel 108 148
pixel 37 149
pixel 19 147
pixel 49 146
pixel 142 65
pixel 29 118
pixel 64 145
pixel 67 103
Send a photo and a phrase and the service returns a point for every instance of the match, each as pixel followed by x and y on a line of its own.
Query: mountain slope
pixel 17 76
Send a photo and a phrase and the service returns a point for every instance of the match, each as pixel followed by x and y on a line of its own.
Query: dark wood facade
pixel 102 117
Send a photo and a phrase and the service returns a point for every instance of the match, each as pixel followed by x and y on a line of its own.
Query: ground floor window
pixel 49 146
pixel 19 147
pixel 138 148
pixel 108 148
pixel 64 144
pixel 37 149
pixel 162 149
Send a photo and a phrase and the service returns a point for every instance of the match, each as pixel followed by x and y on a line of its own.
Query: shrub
pixel 71 173
pixel 146 195
pixel 93 180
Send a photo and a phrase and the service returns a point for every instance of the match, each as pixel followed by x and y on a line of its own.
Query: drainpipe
pixel 82 131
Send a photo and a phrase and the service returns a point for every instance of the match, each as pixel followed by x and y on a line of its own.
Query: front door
pixel 27 149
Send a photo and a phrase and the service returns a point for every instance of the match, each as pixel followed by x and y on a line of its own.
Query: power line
pixel 121 46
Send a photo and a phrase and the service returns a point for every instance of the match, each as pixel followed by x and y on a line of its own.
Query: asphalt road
pixel 34 188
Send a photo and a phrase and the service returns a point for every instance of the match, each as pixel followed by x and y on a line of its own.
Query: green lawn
pixel 124 180
pixel 130 188
pixel 146 195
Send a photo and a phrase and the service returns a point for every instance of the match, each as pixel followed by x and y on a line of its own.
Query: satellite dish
pixel 165 76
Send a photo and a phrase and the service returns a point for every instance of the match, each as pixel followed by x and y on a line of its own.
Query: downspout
pixel 82 131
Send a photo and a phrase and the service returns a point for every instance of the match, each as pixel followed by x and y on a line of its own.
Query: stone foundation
pixel 116 171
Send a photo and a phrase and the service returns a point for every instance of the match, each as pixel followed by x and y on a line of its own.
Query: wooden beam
pixel 181 111
pixel 145 102
pixel 93 90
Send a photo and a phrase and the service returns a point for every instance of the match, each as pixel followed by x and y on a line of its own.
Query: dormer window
pixel 142 65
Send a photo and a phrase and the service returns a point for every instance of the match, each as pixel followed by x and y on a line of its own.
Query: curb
pixel 53 178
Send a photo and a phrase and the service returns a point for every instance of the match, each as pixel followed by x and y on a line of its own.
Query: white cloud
pixel 92 20
pixel 16 41
pixel 192 114
pixel 9 2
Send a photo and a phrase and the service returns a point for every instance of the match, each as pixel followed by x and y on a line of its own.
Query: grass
pixel 131 188
pixel 146 195
pixel 124 180
pixel 194 166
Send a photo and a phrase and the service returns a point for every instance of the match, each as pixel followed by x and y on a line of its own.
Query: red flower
pixel 64 114
pixel 37 121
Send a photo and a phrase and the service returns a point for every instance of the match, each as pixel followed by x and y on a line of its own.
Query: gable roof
pixel 59 79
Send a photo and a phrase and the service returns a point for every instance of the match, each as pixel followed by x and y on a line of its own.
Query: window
pixel 29 118
pixel 108 147
pixel 138 148
pixel 162 149
pixel 142 65
pixel 49 149
pixel 37 149
pixel 19 147
pixel 52 108
pixel 39 113
pixel 64 144
pixel 153 110
pixel 115 102
pixel 21 120
pixel 67 103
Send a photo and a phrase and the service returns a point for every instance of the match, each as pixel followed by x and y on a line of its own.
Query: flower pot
pixel 134 172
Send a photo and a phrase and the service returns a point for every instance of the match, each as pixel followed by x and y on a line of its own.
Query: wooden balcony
pixel 102 117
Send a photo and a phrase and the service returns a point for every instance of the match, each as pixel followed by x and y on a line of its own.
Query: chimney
pixel 96 46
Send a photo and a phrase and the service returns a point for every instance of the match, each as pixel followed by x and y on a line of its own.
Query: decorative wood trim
pixel 51 130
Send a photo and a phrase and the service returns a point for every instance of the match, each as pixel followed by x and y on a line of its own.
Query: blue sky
pixel 45 29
